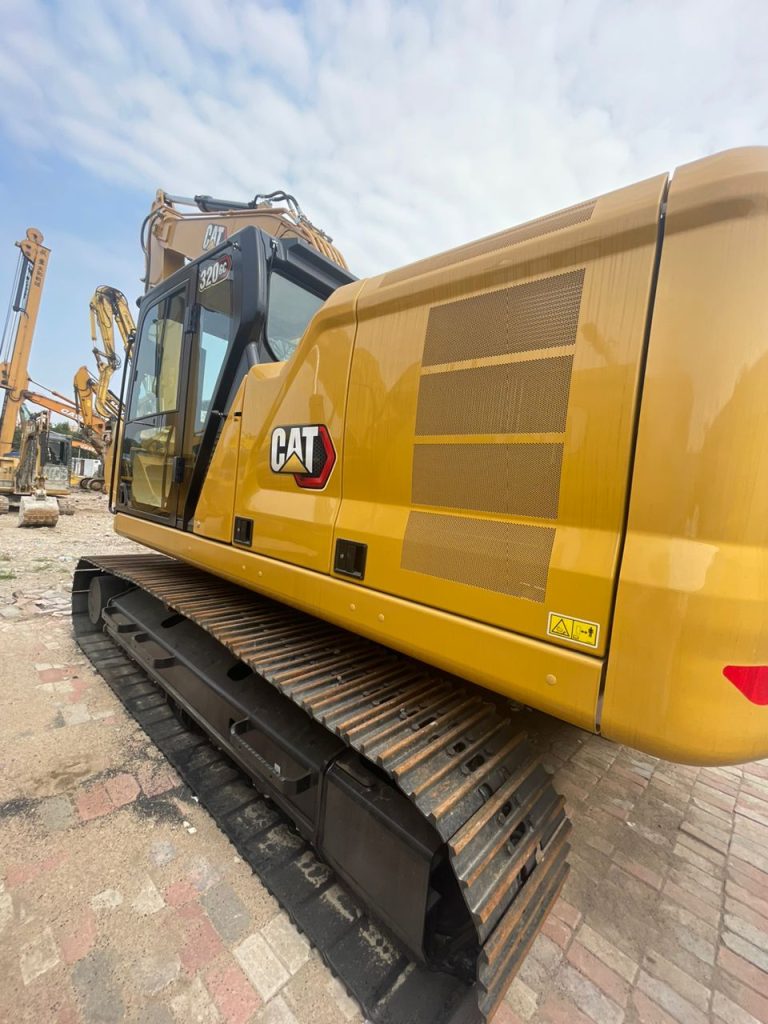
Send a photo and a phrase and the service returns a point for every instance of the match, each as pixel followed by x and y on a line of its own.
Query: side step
pixel 442 742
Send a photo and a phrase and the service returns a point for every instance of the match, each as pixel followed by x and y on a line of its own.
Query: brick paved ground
pixel 121 901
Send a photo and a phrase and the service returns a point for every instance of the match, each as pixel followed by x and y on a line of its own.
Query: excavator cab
pixel 247 302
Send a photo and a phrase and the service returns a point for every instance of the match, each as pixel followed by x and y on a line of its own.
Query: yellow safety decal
pixel 580 631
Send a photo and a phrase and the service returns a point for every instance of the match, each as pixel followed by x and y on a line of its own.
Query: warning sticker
pixel 580 631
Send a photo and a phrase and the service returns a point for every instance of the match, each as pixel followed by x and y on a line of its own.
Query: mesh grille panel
pixel 511 479
pixel 501 240
pixel 539 314
pixel 507 558
pixel 514 398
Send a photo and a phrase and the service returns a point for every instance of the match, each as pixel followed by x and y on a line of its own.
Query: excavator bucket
pixel 38 511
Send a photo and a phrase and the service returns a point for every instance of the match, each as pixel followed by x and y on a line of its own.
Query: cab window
pixel 291 307
pixel 156 378
pixel 210 347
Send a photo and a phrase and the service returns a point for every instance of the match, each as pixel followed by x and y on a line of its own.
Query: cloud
pixel 403 128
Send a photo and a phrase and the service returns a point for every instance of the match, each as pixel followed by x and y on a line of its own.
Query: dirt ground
pixel 121 901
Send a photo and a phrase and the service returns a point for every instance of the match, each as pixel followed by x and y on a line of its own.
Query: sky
pixel 402 128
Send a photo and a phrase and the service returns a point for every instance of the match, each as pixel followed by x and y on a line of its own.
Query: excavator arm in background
pixel 16 343
pixel 171 236
pixel 109 310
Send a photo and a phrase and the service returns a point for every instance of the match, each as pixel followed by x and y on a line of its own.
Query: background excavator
pixel 97 406
pixel 34 479
pixel 388 513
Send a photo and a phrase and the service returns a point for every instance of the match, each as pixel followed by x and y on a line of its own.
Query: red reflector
pixel 752 680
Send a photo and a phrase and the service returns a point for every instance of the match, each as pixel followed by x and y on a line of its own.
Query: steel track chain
pixel 443 742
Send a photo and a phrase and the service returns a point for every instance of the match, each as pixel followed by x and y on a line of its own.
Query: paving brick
pixel 727 1011
pixel 76 714
pixel 276 1012
pixel 757 957
pixel 605 951
pixel 671 1001
pixel 753 808
pixel 262 967
pixel 202 874
pixel 679 980
pixel 195 1006
pixel 567 913
pixel 750 911
pixel 742 969
pixel 697 906
pixel 148 899
pixel 56 813
pixel 542 961
pixel 52 675
pixel 179 893
pixel 162 852
pixel 122 789
pixel 506 1015
pixel 38 956
pixel 707 829
pixel 155 973
pixel 649 1012
pixel 757 936
pixel 701 852
pixel 21 873
pixel 97 990
pixel 107 899
pixel 746 850
pixel 557 1010
pixel 201 944
pixel 744 996
pixel 748 875
pixel 93 802
pixel 557 931
pixel 588 997
pixel 230 916
pixel 291 947
pixel 521 1000
pixel 639 871
pixel 690 879
pixel 232 993
pixel 77 940
pixel 157 779
pixel 607 980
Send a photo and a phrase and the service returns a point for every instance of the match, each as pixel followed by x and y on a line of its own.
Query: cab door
pixel 151 468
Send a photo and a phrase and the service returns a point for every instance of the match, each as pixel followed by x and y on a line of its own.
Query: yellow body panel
pixel 693 590
pixel 214 513
pixel 560 682
pixel 613 252
pixel 484 407
pixel 289 523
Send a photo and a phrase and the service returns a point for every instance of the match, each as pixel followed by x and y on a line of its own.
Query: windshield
pixel 291 307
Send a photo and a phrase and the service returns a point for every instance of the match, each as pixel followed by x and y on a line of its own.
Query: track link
pixel 444 743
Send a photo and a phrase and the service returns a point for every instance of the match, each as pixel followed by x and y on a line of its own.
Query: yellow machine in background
pixel 95 401
pixel 535 463
pixel 29 480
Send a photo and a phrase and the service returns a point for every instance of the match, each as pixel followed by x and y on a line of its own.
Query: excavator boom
pixel 16 344
pixel 108 309
pixel 181 228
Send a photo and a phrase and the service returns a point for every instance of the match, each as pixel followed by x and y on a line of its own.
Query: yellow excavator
pixel 33 480
pixel 386 513
pixel 96 403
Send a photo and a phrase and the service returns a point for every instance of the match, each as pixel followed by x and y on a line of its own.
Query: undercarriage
pixel 414 790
